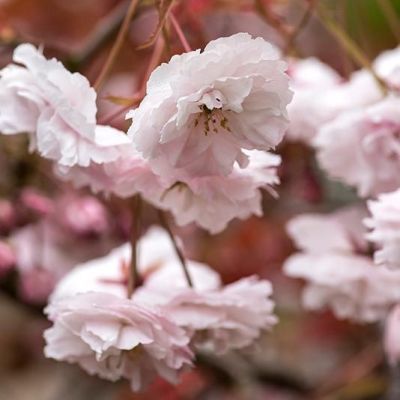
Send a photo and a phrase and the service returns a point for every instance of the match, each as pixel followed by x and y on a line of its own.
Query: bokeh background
pixel 53 227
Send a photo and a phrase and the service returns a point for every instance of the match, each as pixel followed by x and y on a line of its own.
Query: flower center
pixel 211 115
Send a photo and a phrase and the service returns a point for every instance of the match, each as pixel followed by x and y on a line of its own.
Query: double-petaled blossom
pixel 218 320
pixel 203 108
pixel 320 96
pixel 157 264
pixel 115 338
pixel 385 228
pixel 126 175
pixel 362 148
pixel 337 273
pixel 213 201
pixel 56 108
pixel 209 201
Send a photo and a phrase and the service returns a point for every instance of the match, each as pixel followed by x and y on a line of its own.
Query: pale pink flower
pixel 351 285
pixel 115 338
pixel 157 264
pixel 203 108
pixel 21 102
pixel 308 79
pixel 7 258
pixel 315 104
pixel 385 228
pixel 82 215
pixel 341 231
pixel 125 176
pixel 387 66
pixel 213 201
pixel 362 148
pixel 391 340
pixel 219 320
pixel 8 215
pixel 337 275
pixel 35 285
pixel 36 201
pixel 57 108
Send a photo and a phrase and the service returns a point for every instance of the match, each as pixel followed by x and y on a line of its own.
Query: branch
pixel 133 278
pixel 117 45
pixel 165 225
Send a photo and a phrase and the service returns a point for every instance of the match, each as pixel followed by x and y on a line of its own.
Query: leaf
pixel 164 7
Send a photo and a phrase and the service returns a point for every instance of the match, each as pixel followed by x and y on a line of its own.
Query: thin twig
pixel 179 33
pixel 133 278
pixel 290 41
pixel 117 45
pixel 164 222
pixel 271 19
pixel 391 16
pixel 350 46
pixel 138 96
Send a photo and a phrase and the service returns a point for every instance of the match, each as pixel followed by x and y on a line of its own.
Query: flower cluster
pixel 159 327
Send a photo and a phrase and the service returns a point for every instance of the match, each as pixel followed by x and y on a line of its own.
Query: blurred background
pixel 46 227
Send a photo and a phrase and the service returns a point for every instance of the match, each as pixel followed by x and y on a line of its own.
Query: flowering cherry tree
pixel 202 142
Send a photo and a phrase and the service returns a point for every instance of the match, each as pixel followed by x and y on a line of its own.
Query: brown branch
pixel 290 41
pixel 164 222
pixel 117 45
pixel 133 277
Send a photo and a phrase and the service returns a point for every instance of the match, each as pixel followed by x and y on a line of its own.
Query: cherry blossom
pixel 203 108
pixel 384 223
pixel 337 273
pixel 157 263
pixel 213 201
pixel 219 320
pixel 57 108
pixel 115 338
pixel 367 143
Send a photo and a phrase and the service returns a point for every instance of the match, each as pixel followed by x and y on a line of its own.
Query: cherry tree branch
pixel 117 45
pixel 133 277
pixel 164 222
pixel 179 33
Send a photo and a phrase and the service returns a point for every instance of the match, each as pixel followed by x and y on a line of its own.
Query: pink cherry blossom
pixel 392 336
pixel 213 201
pixel 336 272
pixel 115 338
pixel 320 100
pixel 203 108
pixel 308 78
pixel 385 225
pixel 125 176
pixel 232 317
pixel 362 148
pixel 157 264
pixel 57 108
pixel 82 215
pixel 37 202
pixel 387 66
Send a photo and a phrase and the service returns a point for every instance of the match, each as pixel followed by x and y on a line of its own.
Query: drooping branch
pixel 133 277
pixel 117 45
pixel 182 259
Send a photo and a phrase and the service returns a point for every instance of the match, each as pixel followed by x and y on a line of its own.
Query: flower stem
pixel 164 222
pixel 390 14
pixel 291 38
pixel 350 46
pixel 133 278
pixel 180 33
pixel 117 45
